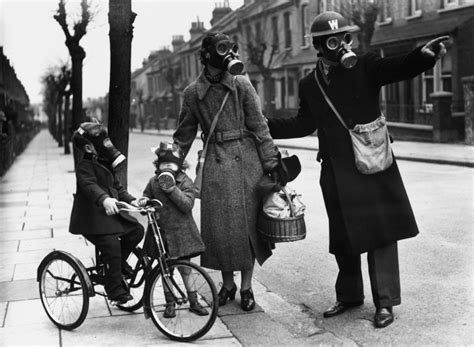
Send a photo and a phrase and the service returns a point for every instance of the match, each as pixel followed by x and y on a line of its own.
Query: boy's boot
pixel 195 306
pixel 170 310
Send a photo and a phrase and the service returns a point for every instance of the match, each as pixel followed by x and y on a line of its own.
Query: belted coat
pixel 94 183
pixel 176 219
pixel 239 152
pixel 365 212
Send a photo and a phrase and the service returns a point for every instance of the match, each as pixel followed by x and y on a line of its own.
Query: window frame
pixel 287 29
pixel 305 25
pixel 414 9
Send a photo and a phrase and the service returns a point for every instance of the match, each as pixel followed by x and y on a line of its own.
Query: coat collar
pixel 203 84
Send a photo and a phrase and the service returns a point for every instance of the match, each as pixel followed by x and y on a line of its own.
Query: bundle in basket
pixel 286 229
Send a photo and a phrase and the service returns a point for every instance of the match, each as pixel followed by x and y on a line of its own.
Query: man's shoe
pixel 340 307
pixel 121 299
pixel 127 270
pixel 170 311
pixel 383 317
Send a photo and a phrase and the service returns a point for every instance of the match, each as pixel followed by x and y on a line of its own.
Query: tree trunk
pixel 121 20
pixel 67 117
pixel 60 120
pixel 77 57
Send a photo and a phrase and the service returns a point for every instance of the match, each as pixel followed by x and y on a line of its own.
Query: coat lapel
pixel 203 85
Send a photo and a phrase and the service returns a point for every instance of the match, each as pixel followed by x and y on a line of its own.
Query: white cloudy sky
pixel 33 40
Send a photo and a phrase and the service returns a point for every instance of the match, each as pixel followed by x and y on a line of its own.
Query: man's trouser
pixel 114 250
pixel 383 272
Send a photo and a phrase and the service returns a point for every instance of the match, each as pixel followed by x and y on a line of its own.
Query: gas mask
pixel 222 53
pixel 337 48
pixel 169 162
pixel 92 138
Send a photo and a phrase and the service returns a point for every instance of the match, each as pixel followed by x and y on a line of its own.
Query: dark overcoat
pixel 94 183
pixel 232 169
pixel 365 211
pixel 176 219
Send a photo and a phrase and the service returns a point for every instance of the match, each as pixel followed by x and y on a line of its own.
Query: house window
pixel 428 85
pixel 283 92
pixel 450 3
pixel 437 79
pixel 304 25
pixel 385 12
pixel 287 26
pixel 150 85
pixel 258 32
pixel 291 86
pixel 446 75
pixel 414 8
pixel 248 32
pixel 275 42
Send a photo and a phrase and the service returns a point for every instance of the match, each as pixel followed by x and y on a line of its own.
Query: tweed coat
pixel 365 212
pixel 234 165
pixel 94 183
pixel 176 219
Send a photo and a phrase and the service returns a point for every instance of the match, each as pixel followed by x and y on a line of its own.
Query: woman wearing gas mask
pixel 367 212
pixel 240 151
pixel 95 214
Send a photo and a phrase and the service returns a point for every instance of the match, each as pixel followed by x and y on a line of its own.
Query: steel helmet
pixel 328 23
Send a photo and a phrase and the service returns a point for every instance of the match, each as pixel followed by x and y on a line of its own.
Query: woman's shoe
pixel 247 301
pixel 225 294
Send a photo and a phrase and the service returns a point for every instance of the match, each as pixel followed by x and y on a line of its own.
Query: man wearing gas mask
pixel 367 213
pixel 95 214
pixel 239 152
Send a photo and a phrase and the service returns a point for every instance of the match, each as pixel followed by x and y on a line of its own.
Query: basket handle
pixel 290 203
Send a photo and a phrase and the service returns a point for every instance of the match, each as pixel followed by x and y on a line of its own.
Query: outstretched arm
pixel 406 66
pixel 303 124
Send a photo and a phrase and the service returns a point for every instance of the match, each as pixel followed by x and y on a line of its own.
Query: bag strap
pixel 329 100
pixel 211 130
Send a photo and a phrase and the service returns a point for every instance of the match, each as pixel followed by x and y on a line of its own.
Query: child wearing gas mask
pixel 173 187
pixel 95 214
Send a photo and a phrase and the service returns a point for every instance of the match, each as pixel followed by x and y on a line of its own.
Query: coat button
pixel 237 158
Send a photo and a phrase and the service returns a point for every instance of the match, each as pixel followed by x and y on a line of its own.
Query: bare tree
pixel 363 14
pixel 121 20
pixel 261 48
pixel 77 54
pixel 55 81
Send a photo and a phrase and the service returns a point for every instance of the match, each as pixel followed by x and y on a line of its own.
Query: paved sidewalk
pixel 35 204
pixel 438 153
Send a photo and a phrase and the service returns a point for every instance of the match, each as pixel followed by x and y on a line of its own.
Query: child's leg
pixel 130 239
pixel 109 247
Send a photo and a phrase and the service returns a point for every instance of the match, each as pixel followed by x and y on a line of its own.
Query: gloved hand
pixel 110 205
pixel 143 201
pixel 435 48
pixel 279 176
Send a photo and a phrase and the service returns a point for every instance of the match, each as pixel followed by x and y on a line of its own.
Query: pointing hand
pixel 435 48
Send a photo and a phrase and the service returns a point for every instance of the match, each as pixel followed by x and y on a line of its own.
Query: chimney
pixel 197 29
pixel 177 42
pixel 220 11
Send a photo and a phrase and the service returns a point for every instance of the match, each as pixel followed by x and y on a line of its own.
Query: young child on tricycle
pixel 95 214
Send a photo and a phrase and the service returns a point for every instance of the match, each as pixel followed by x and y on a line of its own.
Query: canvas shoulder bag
pixel 202 153
pixel 370 142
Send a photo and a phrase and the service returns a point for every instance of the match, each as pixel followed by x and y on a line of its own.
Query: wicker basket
pixel 282 229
